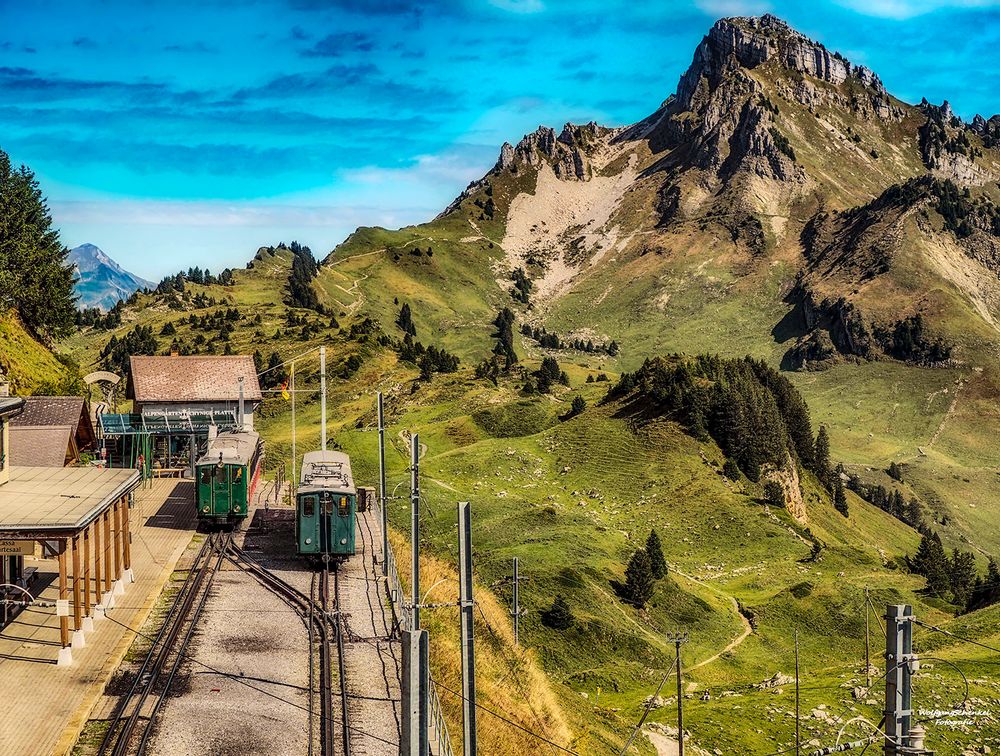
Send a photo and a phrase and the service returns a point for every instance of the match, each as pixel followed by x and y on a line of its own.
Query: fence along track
pixel 168 646
pixel 404 621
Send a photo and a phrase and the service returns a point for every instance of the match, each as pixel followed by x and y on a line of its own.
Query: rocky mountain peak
pixel 749 42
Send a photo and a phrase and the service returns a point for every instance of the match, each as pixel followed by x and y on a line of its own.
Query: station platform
pixel 45 705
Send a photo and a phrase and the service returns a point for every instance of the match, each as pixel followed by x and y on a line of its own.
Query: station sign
pixel 16 548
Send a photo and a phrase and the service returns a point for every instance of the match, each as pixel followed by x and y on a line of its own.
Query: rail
pixel 404 618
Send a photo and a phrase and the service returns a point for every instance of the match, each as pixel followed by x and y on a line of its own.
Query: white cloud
pixel 519 6
pixel 733 7
pixel 904 9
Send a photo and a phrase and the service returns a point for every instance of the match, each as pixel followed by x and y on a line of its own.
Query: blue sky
pixel 174 134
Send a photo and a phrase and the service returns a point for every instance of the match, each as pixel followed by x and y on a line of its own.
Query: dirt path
pixel 747 628
pixel 947 415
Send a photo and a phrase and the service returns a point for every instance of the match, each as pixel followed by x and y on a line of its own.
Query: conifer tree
pixel 962 574
pixel 559 616
pixel 654 550
pixel 839 497
pixel 932 562
pixel 36 280
pixel 639 582
pixel 822 468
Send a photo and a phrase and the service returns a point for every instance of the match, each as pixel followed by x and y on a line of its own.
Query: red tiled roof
pixel 193 379
pixel 40 446
pixel 50 411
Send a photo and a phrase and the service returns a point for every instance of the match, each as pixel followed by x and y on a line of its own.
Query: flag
pixel 284 391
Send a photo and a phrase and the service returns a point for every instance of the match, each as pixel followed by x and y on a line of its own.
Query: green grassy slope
pixel 29 365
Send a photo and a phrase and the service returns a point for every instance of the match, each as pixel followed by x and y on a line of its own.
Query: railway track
pixel 134 717
pixel 320 613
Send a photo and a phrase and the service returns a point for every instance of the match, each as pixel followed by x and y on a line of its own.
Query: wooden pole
pixel 98 557
pixel 77 613
pixel 127 535
pixel 118 539
pixel 63 596
pixel 107 551
pixel 86 572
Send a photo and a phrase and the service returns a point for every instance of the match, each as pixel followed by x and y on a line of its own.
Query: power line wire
pixel 505 718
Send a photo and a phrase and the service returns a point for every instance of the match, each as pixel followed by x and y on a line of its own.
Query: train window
pixel 238 476
pixel 220 474
pixel 327 499
pixel 309 506
pixel 206 476
pixel 343 508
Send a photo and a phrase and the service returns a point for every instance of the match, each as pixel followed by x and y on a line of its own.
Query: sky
pixel 174 134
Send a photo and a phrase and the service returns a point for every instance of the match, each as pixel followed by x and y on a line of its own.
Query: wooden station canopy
pixel 78 511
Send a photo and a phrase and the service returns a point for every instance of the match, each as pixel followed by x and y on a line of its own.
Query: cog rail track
pixel 130 726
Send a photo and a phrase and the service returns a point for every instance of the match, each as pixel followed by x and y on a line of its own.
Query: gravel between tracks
pixel 372 656
pixel 248 632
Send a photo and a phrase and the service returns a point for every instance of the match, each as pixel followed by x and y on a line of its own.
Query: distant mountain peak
pixel 101 281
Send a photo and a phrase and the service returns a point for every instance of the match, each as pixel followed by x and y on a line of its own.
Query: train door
pixel 328 534
pixel 307 530
pixel 221 494
pixel 346 513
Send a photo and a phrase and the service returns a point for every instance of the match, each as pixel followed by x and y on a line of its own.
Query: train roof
pixel 236 448
pixel 326 470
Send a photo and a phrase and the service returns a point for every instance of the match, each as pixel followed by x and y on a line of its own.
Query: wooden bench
pixel 168 472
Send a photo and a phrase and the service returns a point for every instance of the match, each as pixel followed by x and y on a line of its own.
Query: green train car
pixel 228 474
pixel 325 507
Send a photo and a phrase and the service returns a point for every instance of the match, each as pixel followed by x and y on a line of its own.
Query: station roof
pixel 10 404
pixel 59 499
pixel 193 379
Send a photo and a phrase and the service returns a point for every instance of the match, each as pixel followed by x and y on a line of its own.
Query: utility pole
pixel 295 480
pixel 383 501
pixel 415 730
pixel 516 608
pixel 798 737
pixel 679 638
pixel 322 397
pixel 468 645
pixel 415 527
pixel 868 651
pixel 898 671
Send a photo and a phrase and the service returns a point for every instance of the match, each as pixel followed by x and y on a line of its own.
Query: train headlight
pixel 343 541
pixel 308 541
pixel 205 508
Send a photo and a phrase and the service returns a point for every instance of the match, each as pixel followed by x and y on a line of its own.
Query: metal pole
pixel 322 397
pixel 868 652
pixel 680 702
pixel 383 501
pixel 294 479
pixel 516 610
pixel 239 423
pixel 415 526
pixel 468 645
pixel 898 647
pixel 415 729
pixel 798 736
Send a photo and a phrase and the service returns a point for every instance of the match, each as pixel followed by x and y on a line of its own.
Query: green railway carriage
pixel 228 474
pixel 326 506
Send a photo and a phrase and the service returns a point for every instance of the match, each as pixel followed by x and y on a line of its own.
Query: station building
pixel 80 518
pixel 176 400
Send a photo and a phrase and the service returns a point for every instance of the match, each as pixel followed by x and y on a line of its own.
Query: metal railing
pixel 404 616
